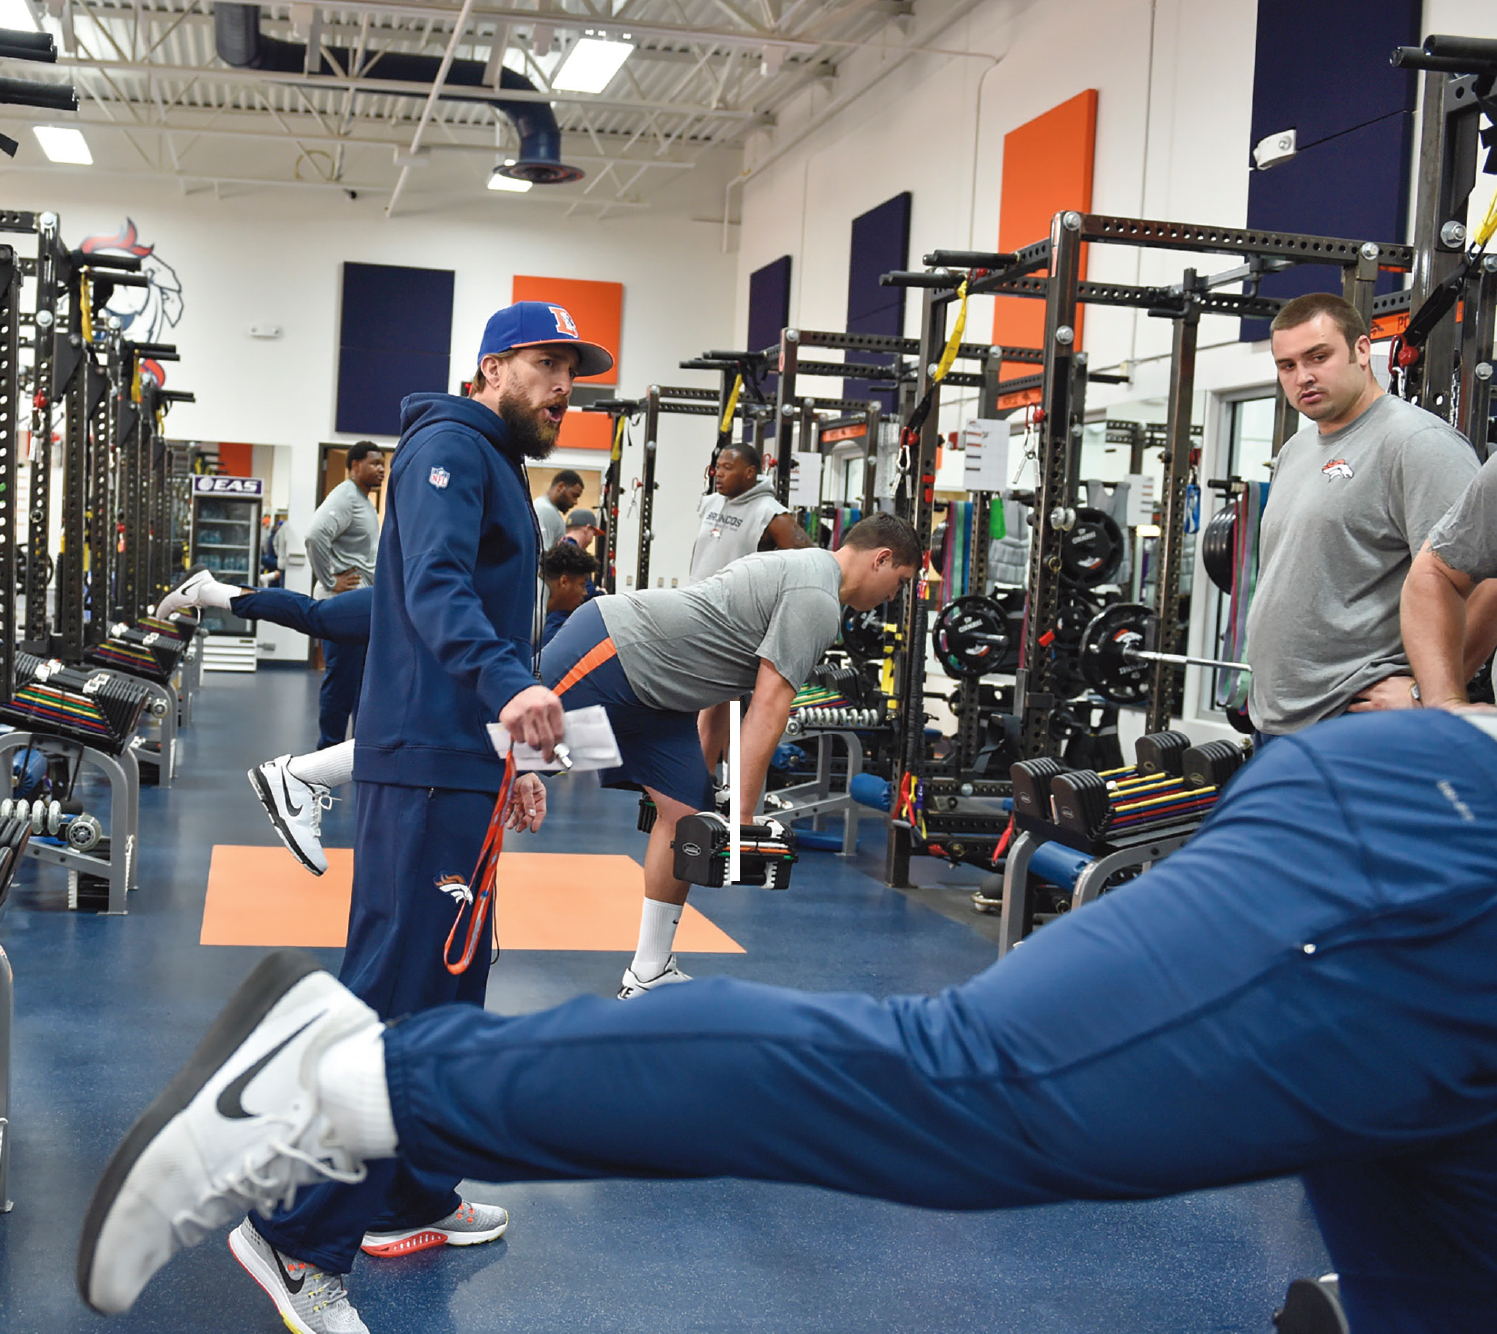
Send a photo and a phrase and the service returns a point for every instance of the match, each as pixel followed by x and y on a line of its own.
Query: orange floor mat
pixel 545 901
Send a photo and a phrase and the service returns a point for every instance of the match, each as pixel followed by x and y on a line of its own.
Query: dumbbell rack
pixel 118 866
pixel 1108 856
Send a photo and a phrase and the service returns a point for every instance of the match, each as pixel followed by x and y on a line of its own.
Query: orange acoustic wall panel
pixel 598 309
pixel 1047 167
pixel 236 460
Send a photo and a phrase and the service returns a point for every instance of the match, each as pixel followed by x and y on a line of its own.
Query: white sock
pixel 329 768
pixel 657 935
pixel 354 1096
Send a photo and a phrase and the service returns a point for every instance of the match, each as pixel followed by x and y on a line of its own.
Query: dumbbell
pixel 83 832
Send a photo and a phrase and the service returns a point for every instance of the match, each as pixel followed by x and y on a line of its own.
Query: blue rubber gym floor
pixel 107 1008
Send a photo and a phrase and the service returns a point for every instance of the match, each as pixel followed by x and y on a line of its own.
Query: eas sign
pixel 228 486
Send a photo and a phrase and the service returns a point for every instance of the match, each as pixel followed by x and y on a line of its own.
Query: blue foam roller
pixel 28 771
pixel 818 840
pixel 1057 863
pixel 871 790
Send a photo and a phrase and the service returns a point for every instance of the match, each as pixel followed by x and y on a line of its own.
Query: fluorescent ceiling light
pixel 590 65
pixel 63 145
pixel 17 16
pixel 498 182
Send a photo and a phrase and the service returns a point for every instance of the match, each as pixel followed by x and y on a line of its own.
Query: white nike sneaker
pixel 199 589
pixel 240 1128
pixel 310 1300
pixel 295 809
pixel 467 1225
pixel 634 985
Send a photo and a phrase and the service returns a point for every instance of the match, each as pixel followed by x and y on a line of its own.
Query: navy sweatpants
pixel 1309 986
pixel 408 840
pixel 343 619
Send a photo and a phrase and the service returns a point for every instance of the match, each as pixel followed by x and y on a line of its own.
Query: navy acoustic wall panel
pixel 395 339
pixel 880 244
pixel 769 304
pixel 1353 117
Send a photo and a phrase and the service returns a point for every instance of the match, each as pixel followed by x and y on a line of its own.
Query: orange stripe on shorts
pixel 594 657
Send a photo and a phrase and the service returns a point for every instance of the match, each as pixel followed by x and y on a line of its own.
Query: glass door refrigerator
pixel 226 538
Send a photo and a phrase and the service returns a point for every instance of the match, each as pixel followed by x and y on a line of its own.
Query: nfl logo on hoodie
pixel 439 477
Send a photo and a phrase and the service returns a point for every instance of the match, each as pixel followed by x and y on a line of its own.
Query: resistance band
pixel 909 437
pixel 480 895
pixel 725 426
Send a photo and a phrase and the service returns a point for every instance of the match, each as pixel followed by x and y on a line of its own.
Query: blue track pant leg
pixel 408 839
pixel 338 701
pixel 344 619
pixel 1307 987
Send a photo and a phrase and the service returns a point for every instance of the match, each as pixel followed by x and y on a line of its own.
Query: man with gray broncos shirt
pixel 1353 497
pixel 657 657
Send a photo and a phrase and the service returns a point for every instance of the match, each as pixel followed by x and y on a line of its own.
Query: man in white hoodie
pixel 741 515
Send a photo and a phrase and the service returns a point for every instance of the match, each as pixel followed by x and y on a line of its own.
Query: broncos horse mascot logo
pixel 145 313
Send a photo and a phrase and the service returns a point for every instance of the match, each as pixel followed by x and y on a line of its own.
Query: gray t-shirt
pixel 1466 538
pixel 732 529
pixel 689 648
pixel 343 535
pixel 553 524
pixel 1345 516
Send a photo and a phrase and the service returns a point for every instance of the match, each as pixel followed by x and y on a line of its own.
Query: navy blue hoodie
pixel 454 600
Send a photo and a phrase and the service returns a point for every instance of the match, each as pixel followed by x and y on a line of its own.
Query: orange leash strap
pixel 484 876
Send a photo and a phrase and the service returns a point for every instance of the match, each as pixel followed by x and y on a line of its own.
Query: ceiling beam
pixel 572 21
pixel 396 87
pixel 230 124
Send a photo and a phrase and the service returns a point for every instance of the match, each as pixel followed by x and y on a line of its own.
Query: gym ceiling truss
pixel 704 76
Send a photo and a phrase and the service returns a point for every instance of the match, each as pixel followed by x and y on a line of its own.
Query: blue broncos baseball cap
pixel 539 324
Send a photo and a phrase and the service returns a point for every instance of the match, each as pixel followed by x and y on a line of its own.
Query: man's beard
pixel 536 440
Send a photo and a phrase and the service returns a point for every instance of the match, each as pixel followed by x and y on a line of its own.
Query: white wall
pixel 275 258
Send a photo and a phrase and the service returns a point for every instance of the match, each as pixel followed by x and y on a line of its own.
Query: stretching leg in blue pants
pixel 1307 987
pixel 342 623
pixel 343 619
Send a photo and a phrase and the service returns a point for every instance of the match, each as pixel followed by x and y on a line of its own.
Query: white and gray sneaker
pixel 199 589
pixel 240 1128
pixel 295 809
pixel 467 1225
pixel 634 985
pixel 310 1300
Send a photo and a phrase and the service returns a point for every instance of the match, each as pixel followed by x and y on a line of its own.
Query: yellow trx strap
pixel 618 439
pixel 726 424
pixel 955 341
pixel 1488 226
pixel 84 297
pixel 135 384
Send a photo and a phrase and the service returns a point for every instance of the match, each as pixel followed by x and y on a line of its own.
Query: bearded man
pixel 449 651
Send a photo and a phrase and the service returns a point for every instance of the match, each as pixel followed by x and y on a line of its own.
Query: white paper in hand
pixel 586 734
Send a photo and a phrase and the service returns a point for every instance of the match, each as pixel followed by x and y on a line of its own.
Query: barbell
pixel 1114 661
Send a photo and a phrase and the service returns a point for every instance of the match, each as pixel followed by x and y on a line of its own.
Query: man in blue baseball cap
pixel 450 650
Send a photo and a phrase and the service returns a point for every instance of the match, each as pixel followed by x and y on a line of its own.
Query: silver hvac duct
pixel 240 43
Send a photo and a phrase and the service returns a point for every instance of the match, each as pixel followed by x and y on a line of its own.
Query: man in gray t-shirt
pixel 1353 497
pixel 1450 596
pixel 655 658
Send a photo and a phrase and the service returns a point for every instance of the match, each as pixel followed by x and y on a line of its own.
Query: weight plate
pixel 1092 552
pixel 863 632
pixel 1216 547
pixel 1105 645
pixel 973 637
